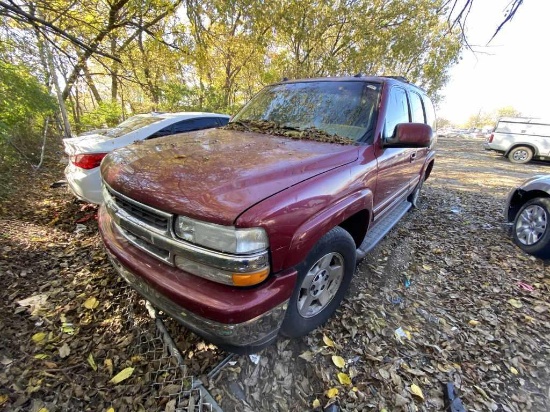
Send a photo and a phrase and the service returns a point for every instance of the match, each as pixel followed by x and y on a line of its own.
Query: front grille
pixel 146 216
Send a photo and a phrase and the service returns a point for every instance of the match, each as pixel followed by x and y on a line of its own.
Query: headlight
pixel 221 238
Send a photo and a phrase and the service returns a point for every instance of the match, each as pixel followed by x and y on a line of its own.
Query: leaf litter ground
pixel 446 297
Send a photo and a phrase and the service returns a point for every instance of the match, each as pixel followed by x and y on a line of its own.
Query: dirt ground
pixel 445 298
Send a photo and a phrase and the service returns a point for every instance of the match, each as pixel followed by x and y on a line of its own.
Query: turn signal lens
pixel 250 279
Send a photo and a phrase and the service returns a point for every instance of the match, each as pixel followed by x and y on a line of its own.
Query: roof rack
pixel 401 78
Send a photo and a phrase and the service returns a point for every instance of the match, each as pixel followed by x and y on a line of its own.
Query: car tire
pixel 531 230
pixel 520 154
pixel 414 197
pixel 323 279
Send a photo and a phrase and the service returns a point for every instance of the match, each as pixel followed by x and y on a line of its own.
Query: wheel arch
pixel 519 198
pixel 352 214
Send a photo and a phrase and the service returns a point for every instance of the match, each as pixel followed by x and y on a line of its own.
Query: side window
pixel 196 124
pixel 162 132
pixel 417 111
pixel 430 114
pixel 182 126
pixel 397 111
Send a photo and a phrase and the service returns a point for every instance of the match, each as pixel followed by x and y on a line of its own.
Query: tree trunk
pixel 91 84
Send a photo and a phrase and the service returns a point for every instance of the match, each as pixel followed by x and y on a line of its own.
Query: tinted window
pixel 397 111
pixel 162 132
pixel 430 113
pixel 417 111
pixel 195 124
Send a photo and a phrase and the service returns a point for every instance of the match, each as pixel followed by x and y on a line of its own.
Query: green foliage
pixel 22 98
pixel 24 104
pixel 483 119
pixel 107 114
pixel 215 55
pixel 507 111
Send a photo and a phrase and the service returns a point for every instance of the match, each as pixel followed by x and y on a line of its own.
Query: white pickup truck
pixel 521 139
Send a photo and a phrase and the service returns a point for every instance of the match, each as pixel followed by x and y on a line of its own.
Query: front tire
pixel 532 228
pixel 414 197
pixel 323 279
pixel 520 154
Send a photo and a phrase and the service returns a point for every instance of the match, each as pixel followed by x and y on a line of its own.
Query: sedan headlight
pixel 222 238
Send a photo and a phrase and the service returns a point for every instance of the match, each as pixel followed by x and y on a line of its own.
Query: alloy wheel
pixel 320 284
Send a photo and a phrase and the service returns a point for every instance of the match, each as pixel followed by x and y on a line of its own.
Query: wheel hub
pixel 320 285
pixel 531 225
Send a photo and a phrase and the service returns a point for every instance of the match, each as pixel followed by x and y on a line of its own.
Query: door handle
pixel 413 156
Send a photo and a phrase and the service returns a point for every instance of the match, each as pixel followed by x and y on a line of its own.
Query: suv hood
pixel 215 174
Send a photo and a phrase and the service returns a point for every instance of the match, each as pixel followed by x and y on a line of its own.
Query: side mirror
pixel 411 135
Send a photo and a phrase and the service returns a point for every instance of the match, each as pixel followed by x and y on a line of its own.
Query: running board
pixel 381 229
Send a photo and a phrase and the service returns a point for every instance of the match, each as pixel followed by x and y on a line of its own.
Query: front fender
pixel 309 233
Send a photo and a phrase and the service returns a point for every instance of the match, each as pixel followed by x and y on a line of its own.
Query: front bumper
pixel 222 314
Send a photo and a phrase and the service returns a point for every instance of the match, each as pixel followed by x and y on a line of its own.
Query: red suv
pixel 254 229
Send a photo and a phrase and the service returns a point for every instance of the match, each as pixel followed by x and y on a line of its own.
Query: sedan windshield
pixel 345 109
pixel 131 124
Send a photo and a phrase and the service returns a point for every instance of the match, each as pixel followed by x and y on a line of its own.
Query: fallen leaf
pixel 473 322
pixel 328 341
pixel 415 390
pixel 400 400
pixel 307 355
pixel 43 410
pixel 338 361
pixel 91 303
pixel 515 303
pixel 64 351
pixel 108 363
pixel 122 375
pixel 540 308
pixel 513 370
pixel 528 318
pixel 384 374
pixel 344 379
pixel 3 399
pixel 92 363
pixel 316 403
pixel 38 337
pixel 41 356
pixel 332 392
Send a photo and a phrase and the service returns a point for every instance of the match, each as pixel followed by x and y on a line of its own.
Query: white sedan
pixel 87 150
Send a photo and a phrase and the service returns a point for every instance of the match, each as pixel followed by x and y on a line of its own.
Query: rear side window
pixel 430 114
pixel 397 111
pixel 195 124
pixel 417 111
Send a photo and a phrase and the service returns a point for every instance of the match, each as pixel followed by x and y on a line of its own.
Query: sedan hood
pixel 215 174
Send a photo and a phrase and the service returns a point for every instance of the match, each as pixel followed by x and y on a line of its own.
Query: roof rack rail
pixel 401 78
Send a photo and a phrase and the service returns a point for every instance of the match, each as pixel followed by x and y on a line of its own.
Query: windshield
pixel 345 109
pixel 131 124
